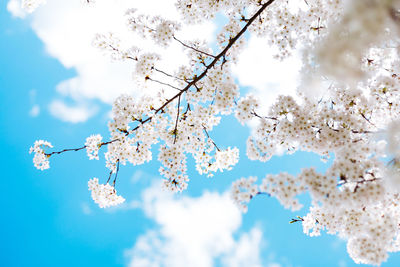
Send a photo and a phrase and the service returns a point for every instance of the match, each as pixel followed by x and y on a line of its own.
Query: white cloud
pixel 14 7
pixel 137 176
pixel 266 76
pixel 35 108
pixel 67 29
pixel 244 252
pixel 194 232
pixel 76 113
pixel 86 208
pixel 35 111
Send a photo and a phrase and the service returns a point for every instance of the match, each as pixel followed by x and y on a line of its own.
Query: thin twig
pixel 208 136
pixel 167 74
pixel 116 174
pixel 364 181
pixel 65 150
pixel 177 118
pixel 109 177
pixel 368 120
pixel 193 48
pixel 153 68
pixel 163 83
pixel 265 117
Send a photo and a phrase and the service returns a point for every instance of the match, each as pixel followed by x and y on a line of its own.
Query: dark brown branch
pixel 265 117
pixel 298 219
pixel 116 174
pixel 64 150
pixel 368 120
pixel 109 176
pixel 344 180
pixel 358 183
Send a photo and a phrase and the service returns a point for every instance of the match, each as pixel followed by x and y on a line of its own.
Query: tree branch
pixel 193 48
pixel 163 83
pixel 193 82
pixel 177 119
pixel 208 136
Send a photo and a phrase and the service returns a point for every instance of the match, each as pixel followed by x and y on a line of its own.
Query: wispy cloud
pixel 75 113
pixel 67 29
pixel 34 111
pixel 194 232
pixel 15 8
pixel 86 208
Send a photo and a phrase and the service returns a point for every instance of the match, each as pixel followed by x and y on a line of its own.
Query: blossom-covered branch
pixel 347 109
pixel 148 114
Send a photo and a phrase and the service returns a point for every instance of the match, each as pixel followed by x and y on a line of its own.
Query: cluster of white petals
pixel 355 121
pixel 366 23
pixel 225 159
pixel 243 191
pixel 355 196
pixel 245 109
pixel 195 11
pixel 137 125
pixel 104 195
pixel 93 144
pixel 146 64
pixel 160 30
pixel 40 159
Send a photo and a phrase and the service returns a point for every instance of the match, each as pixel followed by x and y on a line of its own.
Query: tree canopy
pixel 346 108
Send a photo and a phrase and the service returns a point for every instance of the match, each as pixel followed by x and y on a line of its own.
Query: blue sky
pixel 48 217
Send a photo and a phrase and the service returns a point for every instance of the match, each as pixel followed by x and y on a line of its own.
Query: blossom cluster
pixel 245 109
pixel 243 190
pixel 287 26
pixel 181 130
pixel 356 198
pixel 357 125
pixel 40 159
pixel 195 11
pixel 368 24
pixel 93 144
pixel 104 195
pixel 160 30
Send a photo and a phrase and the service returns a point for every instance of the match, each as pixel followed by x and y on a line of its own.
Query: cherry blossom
pixel 93 143
pixel 40 159
pixel 104 194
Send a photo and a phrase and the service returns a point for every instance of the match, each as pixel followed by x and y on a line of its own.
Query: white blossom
pixel 40 159
pixel 104 195
pixel 246 108
pixel 93 144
